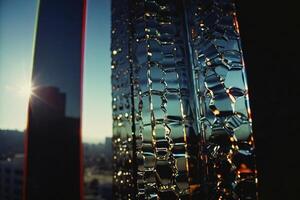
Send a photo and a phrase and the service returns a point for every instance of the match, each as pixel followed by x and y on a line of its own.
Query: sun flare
pixel 25 90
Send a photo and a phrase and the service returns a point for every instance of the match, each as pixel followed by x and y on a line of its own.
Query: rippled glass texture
pixel 53 144
pixel 162 110
pixel 182 124
pixel 123 137
pixel 222 93
pixel 153 122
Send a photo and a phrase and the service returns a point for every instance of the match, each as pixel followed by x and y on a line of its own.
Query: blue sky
pixel 17 22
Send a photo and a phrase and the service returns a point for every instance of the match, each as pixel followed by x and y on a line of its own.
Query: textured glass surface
pixel 221 88
pixel 186 132
pixel 123 156
pixel 150 71
pixel 160 92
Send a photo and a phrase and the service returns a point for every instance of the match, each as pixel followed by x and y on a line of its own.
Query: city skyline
pixel 16 65
pixel 268 31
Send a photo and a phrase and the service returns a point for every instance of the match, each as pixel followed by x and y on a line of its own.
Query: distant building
pixel 108 146
pixel 98 170
pixel 11 143
pixel 11 178
pixel 53 147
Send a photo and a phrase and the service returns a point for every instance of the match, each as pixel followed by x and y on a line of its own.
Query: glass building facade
pixel 181 116
pixel 53 157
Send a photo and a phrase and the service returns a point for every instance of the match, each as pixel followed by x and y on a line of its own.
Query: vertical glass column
pixel 221 90
pixel 164 122
pixel 124 186
pixel 53 166
pixel 188 132
pixel 154 127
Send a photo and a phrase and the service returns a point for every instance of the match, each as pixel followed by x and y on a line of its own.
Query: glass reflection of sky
pixel 17 19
